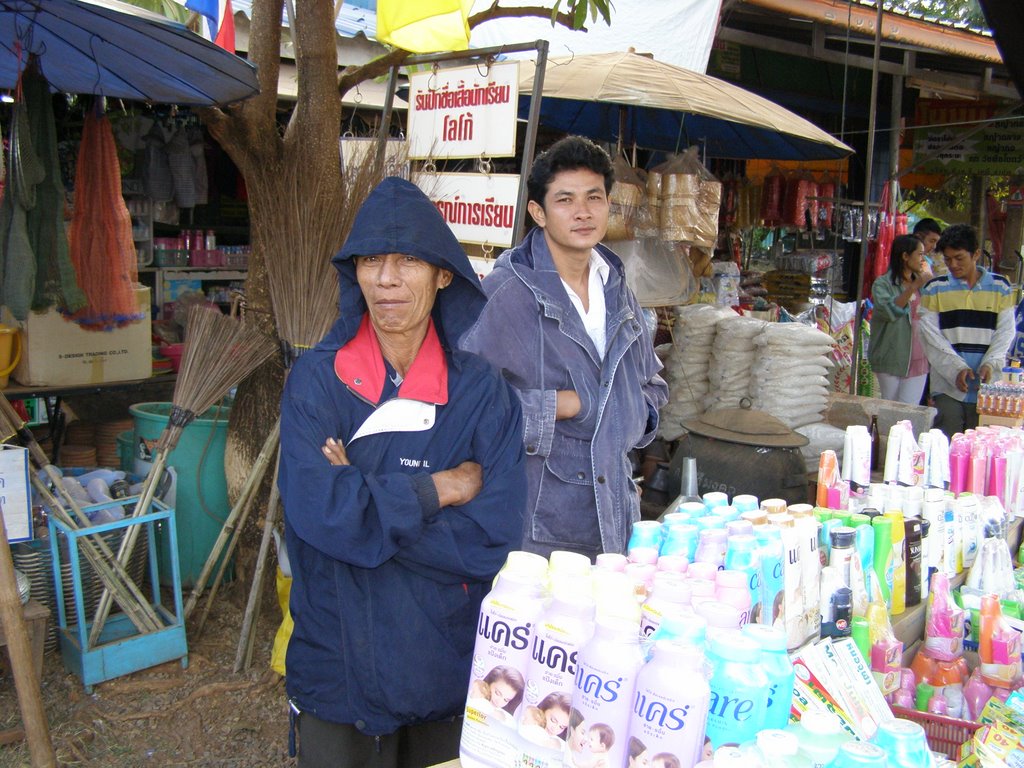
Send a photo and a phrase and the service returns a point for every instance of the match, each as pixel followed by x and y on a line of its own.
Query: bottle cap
pixel 673 563
pixel 900 736
pixel 733 646
pixel 720 616
pixel 710 522
pixel 818 721
pixel 768 637
pixel 739 528
pixel 671 586
pixel 699 570
pixel 756 517
pixel 700 587
pixel 731 579
pixel 745 502
pixel 715 499
pixel 645 533
pixel 611 561
pixel 842 537
pixel 870 512
pixel 563 561
pixel 689 628
pixel 857 519
pixel 730 757
pixel 860 754
pixel 775 741
pixel 693 508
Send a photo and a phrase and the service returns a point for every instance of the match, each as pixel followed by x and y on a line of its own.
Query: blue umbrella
pixel 113 49
pixel 627 98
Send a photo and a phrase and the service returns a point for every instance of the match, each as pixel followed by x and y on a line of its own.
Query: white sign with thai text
pixel 464 112
pixel 15 503
pixel 478 208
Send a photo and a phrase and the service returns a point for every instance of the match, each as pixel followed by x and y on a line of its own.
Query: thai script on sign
pixel 477 214
pixel 463 96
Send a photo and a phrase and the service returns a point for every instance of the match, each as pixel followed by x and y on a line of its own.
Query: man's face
pixel 399 291
pixel 575 212
pixel 929 239
pixel 961 264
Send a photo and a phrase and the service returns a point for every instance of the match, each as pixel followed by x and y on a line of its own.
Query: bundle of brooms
pixel 64 507
pixel 219 352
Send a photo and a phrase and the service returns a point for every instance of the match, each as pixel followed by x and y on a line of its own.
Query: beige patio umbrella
pixel 626 97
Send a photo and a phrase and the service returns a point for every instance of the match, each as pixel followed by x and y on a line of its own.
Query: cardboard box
pixel 56 352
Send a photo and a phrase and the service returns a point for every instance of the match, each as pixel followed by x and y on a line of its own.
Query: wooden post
pixel 26 679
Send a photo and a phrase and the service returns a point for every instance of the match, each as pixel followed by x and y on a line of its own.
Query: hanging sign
pixel 997 149
pixel 15 502
pixel 357 150
pixel 478 208
pixel 464 112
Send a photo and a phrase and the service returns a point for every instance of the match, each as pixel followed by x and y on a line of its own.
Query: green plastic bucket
pixel 201 496
pixel 126 450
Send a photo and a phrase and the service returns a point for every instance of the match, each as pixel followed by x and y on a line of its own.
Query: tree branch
pixel 499 12
pixel 352 76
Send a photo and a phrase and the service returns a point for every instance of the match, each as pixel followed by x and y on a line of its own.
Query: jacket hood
pixel 397 217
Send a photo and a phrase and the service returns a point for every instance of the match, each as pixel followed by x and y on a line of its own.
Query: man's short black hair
pixel 924 226
pixel 957 237
pixel 568 154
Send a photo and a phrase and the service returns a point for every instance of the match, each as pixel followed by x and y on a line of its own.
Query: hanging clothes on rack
pixel 102 248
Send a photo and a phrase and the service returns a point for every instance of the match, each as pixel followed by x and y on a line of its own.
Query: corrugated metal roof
pixel 353 18
pixel 957 40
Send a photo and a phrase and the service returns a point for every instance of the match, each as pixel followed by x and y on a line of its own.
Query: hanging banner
pixel 995 150
pixel 15 502
pixel 464 112
pixel 478 208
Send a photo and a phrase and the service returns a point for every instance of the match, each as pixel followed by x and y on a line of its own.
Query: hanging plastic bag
pixel 689 200
pixel 625 202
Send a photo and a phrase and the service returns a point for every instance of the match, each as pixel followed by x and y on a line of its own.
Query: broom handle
pixel 234 542
pixel 26 677
pixel 239 511
pixel 104 569
pixel 247 637
pixel 124 552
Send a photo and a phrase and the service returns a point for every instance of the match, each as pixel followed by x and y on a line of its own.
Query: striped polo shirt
pixel 968 316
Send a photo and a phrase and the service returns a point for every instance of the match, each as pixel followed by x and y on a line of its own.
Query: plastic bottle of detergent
pixel 739 689
pixel 501 656
pixel 742 553
pixel 776 664
pixel 772 552
pixel 670 705
pixel 602 699
pixel 566 624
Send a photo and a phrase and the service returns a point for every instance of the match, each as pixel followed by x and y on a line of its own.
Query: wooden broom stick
pixel 26 678
pixel 236 517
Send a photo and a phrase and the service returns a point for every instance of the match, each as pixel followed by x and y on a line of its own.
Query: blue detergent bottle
pixel 739 689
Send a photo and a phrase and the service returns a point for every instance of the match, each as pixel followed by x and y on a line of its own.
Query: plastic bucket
pixel 126 450
pixel 201 496
pixel 10 352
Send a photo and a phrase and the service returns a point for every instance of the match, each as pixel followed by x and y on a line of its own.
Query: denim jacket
pixel 581 493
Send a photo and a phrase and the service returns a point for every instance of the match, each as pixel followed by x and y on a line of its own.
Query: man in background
pixel 967 326
pixel 928 232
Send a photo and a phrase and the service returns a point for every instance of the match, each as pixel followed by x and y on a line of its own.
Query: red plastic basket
pixel 945 734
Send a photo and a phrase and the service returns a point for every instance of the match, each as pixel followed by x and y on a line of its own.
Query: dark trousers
pixel 335 745
pixel 954 416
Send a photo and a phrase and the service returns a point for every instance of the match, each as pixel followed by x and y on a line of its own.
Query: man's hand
pixel 459 485
pixel 985 372
pixel 963 378
pixel 567 405
pixel 335 453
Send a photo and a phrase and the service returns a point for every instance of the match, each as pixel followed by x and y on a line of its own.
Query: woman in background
pixel 894 349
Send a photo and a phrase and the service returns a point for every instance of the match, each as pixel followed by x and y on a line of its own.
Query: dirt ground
pixel 204 715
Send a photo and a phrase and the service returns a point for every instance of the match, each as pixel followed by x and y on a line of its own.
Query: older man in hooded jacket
pixel 403 480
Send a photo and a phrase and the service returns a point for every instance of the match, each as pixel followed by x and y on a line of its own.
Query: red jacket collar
pixel 360 366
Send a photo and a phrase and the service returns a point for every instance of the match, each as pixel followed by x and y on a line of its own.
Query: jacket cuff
pixel 539 408
pixel 426 494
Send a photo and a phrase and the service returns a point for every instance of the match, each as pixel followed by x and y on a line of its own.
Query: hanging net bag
pixel 102 249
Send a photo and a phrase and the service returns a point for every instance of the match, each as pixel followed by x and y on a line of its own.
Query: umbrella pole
pixel 870 154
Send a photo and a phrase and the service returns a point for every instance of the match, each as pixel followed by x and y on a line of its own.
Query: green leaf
pixel 580 15
pixel 554 12
pixel 604 7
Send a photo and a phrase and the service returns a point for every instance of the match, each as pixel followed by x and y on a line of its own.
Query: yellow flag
pixel 424 26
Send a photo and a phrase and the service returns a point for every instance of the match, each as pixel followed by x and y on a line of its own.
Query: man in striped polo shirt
pixel 967 325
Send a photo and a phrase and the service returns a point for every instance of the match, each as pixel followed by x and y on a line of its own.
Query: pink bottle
pixel 731 587
pixel 700 570
pixel 602 696
pixel 670 707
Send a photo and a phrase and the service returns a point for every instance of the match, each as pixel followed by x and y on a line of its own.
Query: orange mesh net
pixel 101 243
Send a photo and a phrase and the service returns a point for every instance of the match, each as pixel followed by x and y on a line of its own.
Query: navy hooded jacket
pixel 387 587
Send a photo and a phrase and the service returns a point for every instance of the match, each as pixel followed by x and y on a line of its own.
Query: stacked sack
pixel 732 358
pixel 686 370
pixel 790 376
